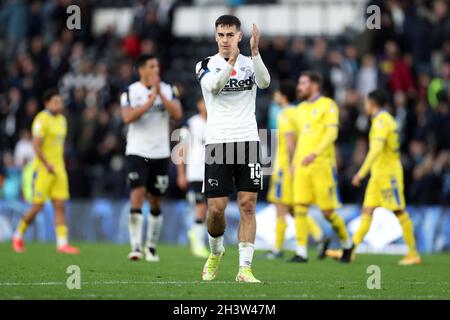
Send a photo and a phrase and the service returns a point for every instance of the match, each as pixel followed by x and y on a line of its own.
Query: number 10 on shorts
pixel 255 174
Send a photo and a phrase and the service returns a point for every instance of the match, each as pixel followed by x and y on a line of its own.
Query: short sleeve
pixel 39 128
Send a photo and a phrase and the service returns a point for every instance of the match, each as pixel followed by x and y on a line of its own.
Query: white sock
pixel 346 244
pixel 61 241
pixel 246 250
pixel 18 235
pixel 135 229
pixel 154 226
pixel 216 244
pixel 200 231
pixel 301 251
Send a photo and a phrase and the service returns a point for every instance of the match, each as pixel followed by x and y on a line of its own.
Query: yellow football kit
pixel 281 180
pixel 385 187
pixel 317 182
pixel 52 129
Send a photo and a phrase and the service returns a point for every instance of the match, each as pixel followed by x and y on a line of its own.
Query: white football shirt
pixel 194 140
pixel 231 112
pixel 147 137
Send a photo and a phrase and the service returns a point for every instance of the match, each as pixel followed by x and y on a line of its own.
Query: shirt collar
pixel 50 113
pixel 315 98
pixel 379 112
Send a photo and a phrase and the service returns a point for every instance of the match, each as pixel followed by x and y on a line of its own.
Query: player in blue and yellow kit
pixel 281 184
pixel 315 122
pixel 385 187
pixel 50 181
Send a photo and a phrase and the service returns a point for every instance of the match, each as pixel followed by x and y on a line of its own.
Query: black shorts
pixel 148 173
pixel 195 194
pixel 232 165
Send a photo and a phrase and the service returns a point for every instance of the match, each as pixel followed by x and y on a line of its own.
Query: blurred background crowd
pixel 409 57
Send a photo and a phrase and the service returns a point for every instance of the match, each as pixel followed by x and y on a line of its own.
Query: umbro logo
pixel 256 182
pixel 213 182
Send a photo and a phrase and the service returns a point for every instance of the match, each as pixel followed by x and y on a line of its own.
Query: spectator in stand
pixel 439 85
pixel 23 151
pixel 367 76
pixel 409 56
pixel 397 72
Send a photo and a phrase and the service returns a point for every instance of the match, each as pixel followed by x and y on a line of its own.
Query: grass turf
pixel 40 273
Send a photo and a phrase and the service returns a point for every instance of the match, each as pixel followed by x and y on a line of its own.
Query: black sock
pixel 135 210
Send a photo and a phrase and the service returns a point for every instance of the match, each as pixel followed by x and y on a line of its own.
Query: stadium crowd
pixel 409 57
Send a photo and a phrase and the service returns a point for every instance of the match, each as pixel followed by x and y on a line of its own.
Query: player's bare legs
pixel 154 225
pixel 216 223
pixel 137 198
pixel 31 214
pixel 61 230
pixel 246 235
pixel 60 217
pixel 17 240
pixel 408 235
pixel 200 211
pixel 282 210
pixel 215 218
pixel 247 223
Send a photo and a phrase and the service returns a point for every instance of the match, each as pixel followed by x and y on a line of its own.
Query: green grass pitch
pixel 40 273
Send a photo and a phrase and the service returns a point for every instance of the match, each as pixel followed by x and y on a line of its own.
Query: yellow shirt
pixel 310 122
pixel 284 128
pixel 52 129
pixel 384 129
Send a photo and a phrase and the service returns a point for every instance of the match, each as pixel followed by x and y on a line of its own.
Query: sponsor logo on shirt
pixel 234 85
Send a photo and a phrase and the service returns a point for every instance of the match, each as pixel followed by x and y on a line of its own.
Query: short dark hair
pixel 228 20
pixel 313 77
pixel 288 89
pixel 49 94
pixel 142 59
pixel 379 97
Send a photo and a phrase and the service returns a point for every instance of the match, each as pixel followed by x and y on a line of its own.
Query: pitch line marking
pixel 174 282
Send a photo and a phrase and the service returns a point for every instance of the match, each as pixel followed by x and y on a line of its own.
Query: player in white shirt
pixel 147 106
pixel 229 82
pixel 190 174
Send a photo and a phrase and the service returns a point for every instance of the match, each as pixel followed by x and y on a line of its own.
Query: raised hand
pixel 156 83
pixel 234 55
pixel 151 99
pixel 254 41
